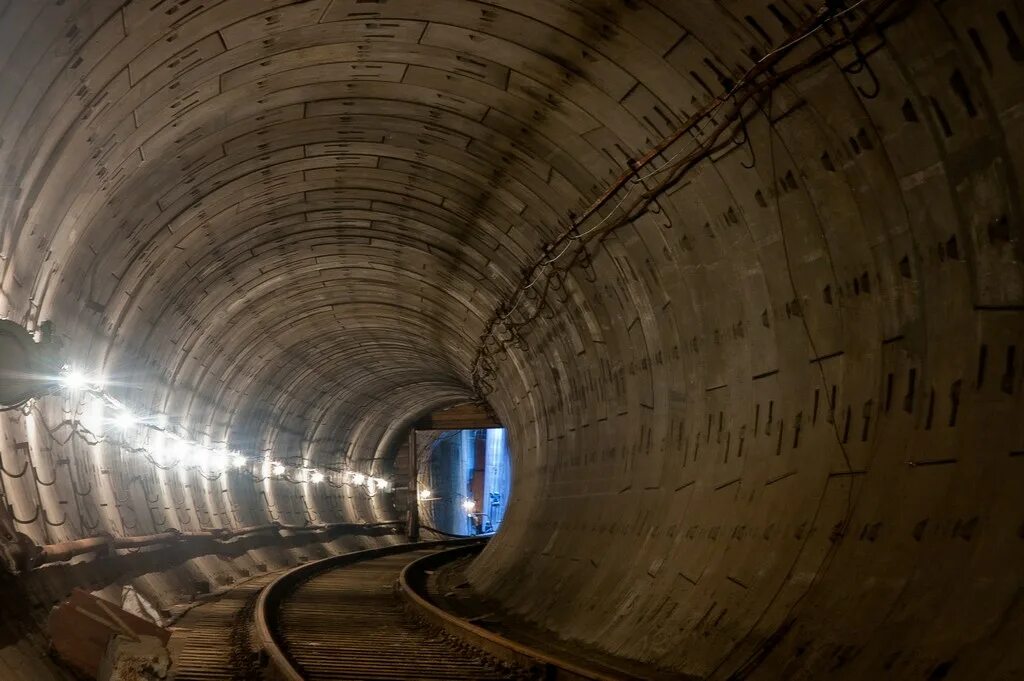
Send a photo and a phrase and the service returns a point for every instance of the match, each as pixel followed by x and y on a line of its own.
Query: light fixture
pixel 218 461
pixel 180 452
pixel 425 493
pixel 468 505
pixel 124 419
pixel 167 446
pixel 73 379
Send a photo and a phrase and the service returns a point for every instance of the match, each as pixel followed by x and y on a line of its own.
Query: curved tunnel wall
pixel 769 426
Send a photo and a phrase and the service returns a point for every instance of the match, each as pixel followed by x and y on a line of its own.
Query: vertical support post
pixel 413 521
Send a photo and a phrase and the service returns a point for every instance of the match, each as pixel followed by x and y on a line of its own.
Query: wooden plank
pixel 82 626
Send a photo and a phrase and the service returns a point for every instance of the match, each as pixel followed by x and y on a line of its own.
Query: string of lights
pixel 723 114
pixel 167 447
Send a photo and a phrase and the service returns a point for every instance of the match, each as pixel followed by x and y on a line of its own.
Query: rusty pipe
pixel 30 555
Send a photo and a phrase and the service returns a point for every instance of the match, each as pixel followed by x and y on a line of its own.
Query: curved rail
pixel 412 582
pixel 280 662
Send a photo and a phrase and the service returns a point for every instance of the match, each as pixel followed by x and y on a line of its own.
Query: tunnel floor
pixel 216 638
pixel 450 589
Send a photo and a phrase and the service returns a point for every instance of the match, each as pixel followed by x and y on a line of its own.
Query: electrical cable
pixel 677 164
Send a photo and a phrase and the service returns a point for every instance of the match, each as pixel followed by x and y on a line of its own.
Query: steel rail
pixel 412 583
pixel 278 661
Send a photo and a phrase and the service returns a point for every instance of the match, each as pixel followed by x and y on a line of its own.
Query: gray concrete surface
pixel 771 430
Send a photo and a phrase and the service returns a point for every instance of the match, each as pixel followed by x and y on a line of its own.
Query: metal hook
pixel 74 486
pixel 145 489
pixel 199 517
pixel 89 526
pixel 860 64
pixel 585 262
pixel 24 468
pixel 121 515
pixel 560 291
pixel 875 84
pixel 177 502
pixel 750 144
pixel 119 500
pixel 188 516
pixel 152 515
pixel 35 474
pixel 10 509
pixel 46 519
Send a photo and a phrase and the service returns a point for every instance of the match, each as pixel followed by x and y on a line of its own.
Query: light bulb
pixel 161 421
pixel 74 380
pixel 316 476
pixel 425 493
pixel 358 478
pixel 218 461
pixel 238 461
pixel 469 505
pixel 125 420
pixel 278 468
pixel 181 452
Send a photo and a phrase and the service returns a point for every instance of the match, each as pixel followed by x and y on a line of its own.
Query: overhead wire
pixel 743 91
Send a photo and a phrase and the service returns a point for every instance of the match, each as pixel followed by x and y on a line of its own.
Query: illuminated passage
pixel 465 480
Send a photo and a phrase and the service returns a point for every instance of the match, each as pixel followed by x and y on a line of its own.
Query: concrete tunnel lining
pixel 767 429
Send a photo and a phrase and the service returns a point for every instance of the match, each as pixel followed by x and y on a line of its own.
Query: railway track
pixel 346 618
pixel 361 615
pixel 213 642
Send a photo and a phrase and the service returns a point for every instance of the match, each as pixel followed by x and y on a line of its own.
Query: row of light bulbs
pixel 428 495
pixel 171 449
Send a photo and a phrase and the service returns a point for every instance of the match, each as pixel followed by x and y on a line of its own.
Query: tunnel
pixel 742 279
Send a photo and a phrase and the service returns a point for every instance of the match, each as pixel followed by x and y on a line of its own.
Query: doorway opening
pixel 464 481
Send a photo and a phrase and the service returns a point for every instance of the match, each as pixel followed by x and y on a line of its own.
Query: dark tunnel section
pixel 742 280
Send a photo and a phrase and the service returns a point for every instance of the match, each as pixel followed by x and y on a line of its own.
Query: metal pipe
pixel 52 553
pixel 30 555
pixel 413 524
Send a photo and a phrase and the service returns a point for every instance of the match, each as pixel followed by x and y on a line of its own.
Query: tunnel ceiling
pixel 743 278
